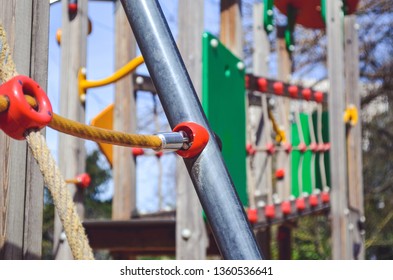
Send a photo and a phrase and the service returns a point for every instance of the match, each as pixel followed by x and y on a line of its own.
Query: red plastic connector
pixel 280 173
pixel 300 204
pixel 325 197
pixel 250 150
pixel 252 215
pixel 287 148
pixel 198 138
pixel 313 147
pixel 302 147
pixel 326 147
pixel 318 96
pixel 138 152
pixel 159 154
pixel 278 88
pixel 270 148
pixel 20 116
pixel 262 84
pixel 83 180
pixel 306 93
pixel 314 201
pixel 270 211
pixel 286 207
pixel 72 6
pixel 293 91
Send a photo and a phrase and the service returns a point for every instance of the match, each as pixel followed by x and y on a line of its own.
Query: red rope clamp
pixel 20 116
pixel 198 137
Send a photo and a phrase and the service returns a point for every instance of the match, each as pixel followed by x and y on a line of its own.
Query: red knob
pixel 280 173
pixel 138 152
pixel 84 180
pixel 262 84
pixel 270 148
pixel 250 150
pixel 300 204
pixel 313 200
pixel 306 94
pixel 270 211
pixel 293 91
pixel 286 207
pixel 287 148
pixel 20 116
pixel 325 197
pixel 302 147
pixel 198 138
pixel 72 8
pixel 278 88
pixel 314 147
pixel 252 215
pixel 318 96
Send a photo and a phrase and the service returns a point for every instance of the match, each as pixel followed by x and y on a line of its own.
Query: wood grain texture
pixel 124 198
pixel 341 245
pixel 21 189
pixel 72 155
pixel 231 34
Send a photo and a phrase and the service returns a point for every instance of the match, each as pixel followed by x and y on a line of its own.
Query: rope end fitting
pixel 197 138
pixel 20 116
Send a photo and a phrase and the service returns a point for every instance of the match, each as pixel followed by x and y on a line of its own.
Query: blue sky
pixel 100 64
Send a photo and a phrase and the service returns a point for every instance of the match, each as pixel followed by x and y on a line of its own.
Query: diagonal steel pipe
pixel 208 172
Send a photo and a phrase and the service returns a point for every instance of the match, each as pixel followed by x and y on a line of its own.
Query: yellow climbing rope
pixel 280 134
pixel 94 133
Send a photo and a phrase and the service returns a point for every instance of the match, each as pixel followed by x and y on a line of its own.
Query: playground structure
pixel 266 200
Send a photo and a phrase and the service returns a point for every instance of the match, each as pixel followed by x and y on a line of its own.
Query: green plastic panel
pixel 297 156
pixel 223 100
pixel 325 139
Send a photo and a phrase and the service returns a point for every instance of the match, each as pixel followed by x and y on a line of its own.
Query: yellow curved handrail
pixel 85 84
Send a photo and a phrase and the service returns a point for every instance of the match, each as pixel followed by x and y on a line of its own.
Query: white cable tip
pixel 139 80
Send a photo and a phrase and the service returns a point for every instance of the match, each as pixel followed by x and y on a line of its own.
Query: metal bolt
pixel 356 26
pixel 362 219
pixel 62 236
pixel 83 97
pixel 214 43
pixel 186 234
pixel 240 66
pixel 350 227
pixel 346 211
pixel 291 48
pixel 269 12
pixel 270 27
pixel 261 204
pixel 139 80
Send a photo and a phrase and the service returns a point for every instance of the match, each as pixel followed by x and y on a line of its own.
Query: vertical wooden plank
pixel 21 189
pixel 284 63
pixel 259 169
pixel 231 26
pixel 35 192
pixel 341 245
pixel 283 188
pixel 191 237
pixel 354 137
pixel 124 197
pixel 72 156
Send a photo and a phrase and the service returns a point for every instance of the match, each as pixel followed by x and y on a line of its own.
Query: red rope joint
pixel 20 116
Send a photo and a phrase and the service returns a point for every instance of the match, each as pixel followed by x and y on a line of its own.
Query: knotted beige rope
pixel 54 181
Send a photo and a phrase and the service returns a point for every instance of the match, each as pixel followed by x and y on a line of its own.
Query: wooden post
pixel 283 187
pixel 342 247
pixel 354 137
pixel 231 26
pixel 191 237
pixel 72 155
pixel 21 196
pixel 261 165
pixel 124 198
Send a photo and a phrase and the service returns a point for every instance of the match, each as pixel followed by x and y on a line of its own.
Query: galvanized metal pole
pixel 211 179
